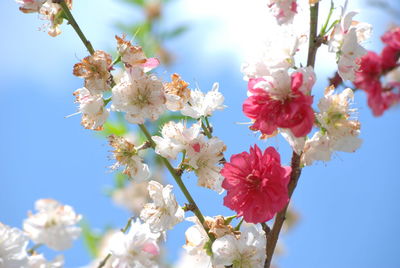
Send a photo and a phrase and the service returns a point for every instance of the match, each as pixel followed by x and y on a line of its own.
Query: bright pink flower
pixel 293 112
pixel 392 38
pixel 389 56
pixel 369 71
pixel 256 184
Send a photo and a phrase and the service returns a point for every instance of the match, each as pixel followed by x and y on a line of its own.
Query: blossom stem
pixel 272 238
pixel 180 183
pixel 75 25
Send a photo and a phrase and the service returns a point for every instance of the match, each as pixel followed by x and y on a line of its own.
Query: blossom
pixel 247 250
pixel 126 155
pixel 201 104
pixel 392 38
pixel 164 213
pixel 202 260
pixel 53 13
pixel 204 157
pixel 177 93
pixel 94 114
pixel 38 261
pixel 280 101
pixel 13 245
pixel 345 42
pixel 136 249
pixel 30 6
pixel 176 138
pixel 53 225
pixel 256 184
pixel 283 10
pixel 338 131
pixel 132 196
pixel 95 70
pixel 133 56
pixel 140 96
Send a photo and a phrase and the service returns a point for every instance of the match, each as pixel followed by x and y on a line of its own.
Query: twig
pixel 180 183
pixel 75 25
pixel 314 43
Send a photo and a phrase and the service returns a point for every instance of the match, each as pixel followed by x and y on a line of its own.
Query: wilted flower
pixel 94 69
pixel 126 155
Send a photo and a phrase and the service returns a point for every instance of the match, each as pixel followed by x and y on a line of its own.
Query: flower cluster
pixel 375 67
pixel 201 154
pixel 338 130
pixel 48 11
pixel 54 226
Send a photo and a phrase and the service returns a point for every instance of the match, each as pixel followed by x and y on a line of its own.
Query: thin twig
pixel 180 183
pixel 75 25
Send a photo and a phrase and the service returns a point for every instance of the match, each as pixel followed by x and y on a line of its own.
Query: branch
pixel 314 43
pixel 75 25
pixel 178 179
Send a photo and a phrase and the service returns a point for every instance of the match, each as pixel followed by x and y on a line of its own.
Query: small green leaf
pixel 91 239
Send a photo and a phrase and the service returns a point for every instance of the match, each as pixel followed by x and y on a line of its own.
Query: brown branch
pixel 272 238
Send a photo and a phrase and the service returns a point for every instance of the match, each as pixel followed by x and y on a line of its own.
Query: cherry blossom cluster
pixel 53 225
pixel 379 74
pixel 280 101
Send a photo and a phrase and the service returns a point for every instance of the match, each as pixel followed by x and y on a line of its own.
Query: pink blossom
pixel 293 112
pixel 392 38
pixel 256 184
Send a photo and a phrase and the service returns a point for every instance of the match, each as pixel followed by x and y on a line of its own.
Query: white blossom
pixel 94 114
pixel 132 197
pixel 30 6
pixel 201 104
pixel 176 137
pixel 127 156
pixel 196 237
pixel 38 261
pixel 202 260
pixel 53 225
pixel 13 245
pixel 140 96
pixel 247 251
pixel 136 249
pixel 345 42
pixel 204 157
pixel 164 213
pixel 283 10
pixel 339 132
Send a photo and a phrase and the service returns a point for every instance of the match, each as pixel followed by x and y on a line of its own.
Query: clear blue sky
pixel 349 208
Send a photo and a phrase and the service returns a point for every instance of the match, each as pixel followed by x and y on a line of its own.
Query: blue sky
pixel 349 207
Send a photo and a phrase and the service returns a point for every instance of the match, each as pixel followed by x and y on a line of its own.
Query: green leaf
pixel 116 128
pixel 91 239
pixel 140 3
pixel 120 180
